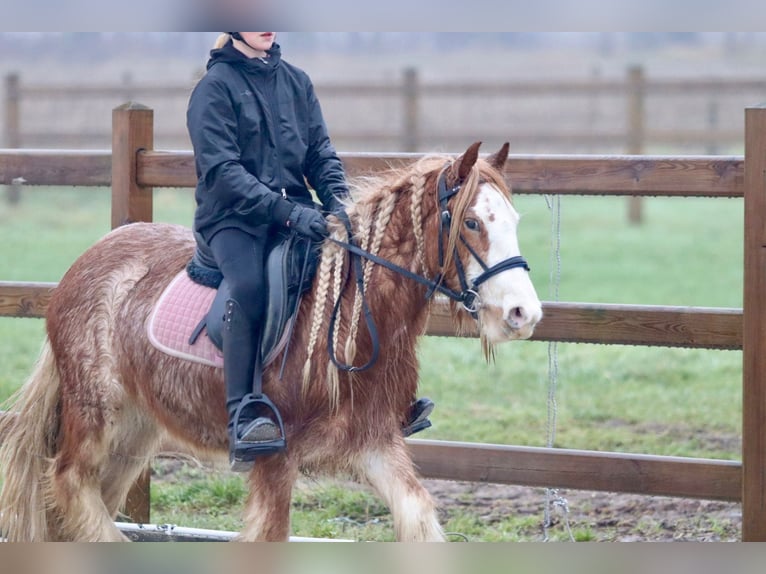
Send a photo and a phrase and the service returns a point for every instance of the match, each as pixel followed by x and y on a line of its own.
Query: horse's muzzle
pixel 520 320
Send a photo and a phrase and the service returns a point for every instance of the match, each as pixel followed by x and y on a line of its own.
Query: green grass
pixel 661 401
pixel 631 399
pixel 199 499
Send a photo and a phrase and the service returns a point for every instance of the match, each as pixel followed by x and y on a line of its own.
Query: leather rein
pixel 468 296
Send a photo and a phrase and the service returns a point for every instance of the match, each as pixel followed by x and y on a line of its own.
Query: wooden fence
pixel 133 169
pixel 619 115
pixel 419 110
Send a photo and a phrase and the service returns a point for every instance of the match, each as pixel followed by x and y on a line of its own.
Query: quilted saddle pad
pixel 178 311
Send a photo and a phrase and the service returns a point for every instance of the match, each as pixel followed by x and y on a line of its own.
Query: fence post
pixel 132 131
pixel 754 330
pixel 411 95
pixel 12 133
pixel 635 136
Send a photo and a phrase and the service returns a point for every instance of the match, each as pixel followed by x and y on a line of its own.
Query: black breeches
pixel 240 257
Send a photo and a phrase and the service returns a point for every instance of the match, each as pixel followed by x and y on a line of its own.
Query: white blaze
pixel 509 295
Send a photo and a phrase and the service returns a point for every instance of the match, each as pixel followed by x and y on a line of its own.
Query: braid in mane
pixel 371 211
pixel 416 211
pixel 363 234
pixel 320 303
pixel 381 223
pixel 333 382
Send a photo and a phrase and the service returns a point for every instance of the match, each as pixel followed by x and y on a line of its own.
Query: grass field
pixel 630 399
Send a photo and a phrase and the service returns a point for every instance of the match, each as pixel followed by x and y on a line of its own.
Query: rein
pixel 468 297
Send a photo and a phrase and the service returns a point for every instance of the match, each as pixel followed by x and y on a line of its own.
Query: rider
pixel 257 130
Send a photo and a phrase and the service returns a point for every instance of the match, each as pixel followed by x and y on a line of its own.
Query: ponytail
pixel 222 41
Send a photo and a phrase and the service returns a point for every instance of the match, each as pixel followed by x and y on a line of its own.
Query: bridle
pixel 468 296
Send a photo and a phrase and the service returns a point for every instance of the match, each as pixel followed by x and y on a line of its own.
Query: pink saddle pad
pixel 178 311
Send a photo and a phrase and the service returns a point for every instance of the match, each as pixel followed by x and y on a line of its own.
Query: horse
pixel 101 400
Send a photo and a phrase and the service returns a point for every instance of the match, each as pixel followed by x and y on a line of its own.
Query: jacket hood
pixel 228 54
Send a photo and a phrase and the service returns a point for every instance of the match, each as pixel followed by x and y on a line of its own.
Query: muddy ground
pixel 596 516
pixel 589 516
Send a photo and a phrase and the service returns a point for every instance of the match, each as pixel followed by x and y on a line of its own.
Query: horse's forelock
pixel 481 172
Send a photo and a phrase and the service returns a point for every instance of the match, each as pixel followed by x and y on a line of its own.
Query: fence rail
pixel 702 328
pixel 134 173
pixel 634 175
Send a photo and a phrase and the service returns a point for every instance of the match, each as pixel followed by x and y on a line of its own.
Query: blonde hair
pixel 221 41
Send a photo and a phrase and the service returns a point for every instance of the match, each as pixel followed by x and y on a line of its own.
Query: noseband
pixel 468 296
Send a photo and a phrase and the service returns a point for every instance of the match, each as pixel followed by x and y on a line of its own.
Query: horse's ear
pixel 462 166
pixel 497 159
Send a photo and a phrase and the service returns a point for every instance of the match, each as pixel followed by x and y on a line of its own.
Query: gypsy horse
pixel 101 399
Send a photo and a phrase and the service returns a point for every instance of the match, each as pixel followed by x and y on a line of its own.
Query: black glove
pixel 308 222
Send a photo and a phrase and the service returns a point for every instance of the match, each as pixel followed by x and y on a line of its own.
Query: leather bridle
pixel 468 296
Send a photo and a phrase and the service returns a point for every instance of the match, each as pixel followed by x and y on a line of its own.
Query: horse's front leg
pixel 390 471
pixel 267 512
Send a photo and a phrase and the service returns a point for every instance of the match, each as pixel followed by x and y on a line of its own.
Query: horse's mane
pixel 369 192
pixel 373 200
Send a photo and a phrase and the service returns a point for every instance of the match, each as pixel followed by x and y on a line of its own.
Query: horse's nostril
pixel 517 314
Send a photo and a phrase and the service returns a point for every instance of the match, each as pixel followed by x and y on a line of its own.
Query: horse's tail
pixel 28 431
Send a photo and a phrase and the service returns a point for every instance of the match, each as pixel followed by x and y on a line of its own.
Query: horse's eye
pixel 472 224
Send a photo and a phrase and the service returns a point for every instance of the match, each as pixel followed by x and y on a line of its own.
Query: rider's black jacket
pixel 257 130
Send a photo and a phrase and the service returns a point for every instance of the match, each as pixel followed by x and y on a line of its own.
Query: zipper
pixel 273 104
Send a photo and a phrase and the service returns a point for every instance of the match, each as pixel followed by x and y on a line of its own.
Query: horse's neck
pixel 393 224
pixel 407 295
pixel 399 237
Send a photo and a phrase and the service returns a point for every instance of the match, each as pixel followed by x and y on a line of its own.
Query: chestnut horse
pixel 101 399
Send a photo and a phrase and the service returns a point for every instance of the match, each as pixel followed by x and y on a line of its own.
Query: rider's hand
pixel 308 222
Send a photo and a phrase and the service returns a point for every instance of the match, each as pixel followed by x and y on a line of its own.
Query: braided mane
pixel 374 201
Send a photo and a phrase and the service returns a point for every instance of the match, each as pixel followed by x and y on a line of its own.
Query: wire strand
pixel 553 498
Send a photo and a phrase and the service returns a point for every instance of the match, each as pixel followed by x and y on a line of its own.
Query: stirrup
pixel 419 413
pixel 242 453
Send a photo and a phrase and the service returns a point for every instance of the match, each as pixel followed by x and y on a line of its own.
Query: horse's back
pixel 110 289
pixel 128 256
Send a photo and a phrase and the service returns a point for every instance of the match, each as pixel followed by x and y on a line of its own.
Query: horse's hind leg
pixel 93 470
pixel 267 512
pixel 128 457
pixel 78 509
pixel 390 471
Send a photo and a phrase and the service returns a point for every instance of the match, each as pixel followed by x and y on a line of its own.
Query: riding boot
pixel 417 417
pixel 246 427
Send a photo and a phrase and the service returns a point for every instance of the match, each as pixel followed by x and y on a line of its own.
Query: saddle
pixel 192 305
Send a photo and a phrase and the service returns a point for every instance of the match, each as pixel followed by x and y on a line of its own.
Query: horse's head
pixel 480 243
